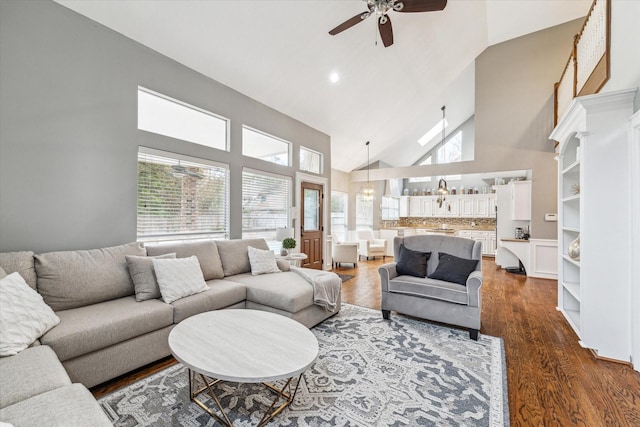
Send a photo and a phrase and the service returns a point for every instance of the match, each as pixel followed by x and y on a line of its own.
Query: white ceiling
pixel 279 52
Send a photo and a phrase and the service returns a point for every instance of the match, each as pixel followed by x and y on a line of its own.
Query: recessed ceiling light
pixel 334 77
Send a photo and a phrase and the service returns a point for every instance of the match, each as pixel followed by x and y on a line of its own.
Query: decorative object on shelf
pixel 288 243
pixel 574 249
pixel 282 234
pixel 575 189
pixel 367 191
pixel 442 184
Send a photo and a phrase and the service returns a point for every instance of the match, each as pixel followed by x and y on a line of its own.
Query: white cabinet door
pixel 453 206
pixel 437 209
pixel 415 206
pixel 492 244
pixel 427 205
pixel 404 206
pixel 466 206
pixel 481 206
pixel 521 200
pixel 493 203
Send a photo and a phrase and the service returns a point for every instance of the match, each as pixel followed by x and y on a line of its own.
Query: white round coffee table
pixel 246 346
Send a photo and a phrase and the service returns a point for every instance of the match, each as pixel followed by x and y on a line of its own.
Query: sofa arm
pixel 387 272
pixel 474 283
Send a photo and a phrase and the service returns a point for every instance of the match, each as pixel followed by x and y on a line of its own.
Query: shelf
pixel 571 260
pixel 571 229
pixel 571 198
pixel 573 316
pixel 573 288
pixel 573 167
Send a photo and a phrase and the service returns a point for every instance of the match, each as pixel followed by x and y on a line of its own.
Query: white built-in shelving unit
pixel 593 292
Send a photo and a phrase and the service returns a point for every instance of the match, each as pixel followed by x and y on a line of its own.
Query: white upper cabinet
pixel 521 200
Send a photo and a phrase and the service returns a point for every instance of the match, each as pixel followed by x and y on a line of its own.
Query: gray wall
pixel 68 128
pixel 514 113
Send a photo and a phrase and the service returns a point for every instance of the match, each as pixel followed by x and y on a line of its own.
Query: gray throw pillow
pixel 144 277
pixel 453 269
pixel 412 263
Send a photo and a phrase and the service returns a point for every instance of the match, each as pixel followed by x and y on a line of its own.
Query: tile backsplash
pixel 457 223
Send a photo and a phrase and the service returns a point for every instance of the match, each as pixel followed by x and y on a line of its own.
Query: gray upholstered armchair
pixel 432 299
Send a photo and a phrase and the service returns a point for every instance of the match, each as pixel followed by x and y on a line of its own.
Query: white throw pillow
pixel 179 278
pixel 24 316
pixel 262 261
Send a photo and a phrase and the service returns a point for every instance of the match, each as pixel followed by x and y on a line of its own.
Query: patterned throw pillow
pixel 24 316
pixel 179 278
pixel 262 261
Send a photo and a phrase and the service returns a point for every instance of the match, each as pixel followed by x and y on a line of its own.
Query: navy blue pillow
pixel 412 263
pixel 453 269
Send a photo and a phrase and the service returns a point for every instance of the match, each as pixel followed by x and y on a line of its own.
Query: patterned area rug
pixel 370 372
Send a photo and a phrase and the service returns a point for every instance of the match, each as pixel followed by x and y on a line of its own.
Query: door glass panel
pixel 311 209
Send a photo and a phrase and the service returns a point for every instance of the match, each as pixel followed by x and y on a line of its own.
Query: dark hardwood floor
pixel 552 381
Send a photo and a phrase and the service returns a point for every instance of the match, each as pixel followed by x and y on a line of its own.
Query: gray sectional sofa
pixel 104 332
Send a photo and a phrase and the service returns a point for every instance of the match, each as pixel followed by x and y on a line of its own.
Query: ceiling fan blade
pixel 350 23
pixel 422 5
pixel 386 31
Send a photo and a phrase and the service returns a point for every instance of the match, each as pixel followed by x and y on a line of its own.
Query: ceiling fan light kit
pixel 381 8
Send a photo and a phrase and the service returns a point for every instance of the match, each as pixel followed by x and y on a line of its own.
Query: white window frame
pixel 173 232
pixel 248 200
pixel 267 157
pixel 304 167
pixel 194 129
pixel 340 230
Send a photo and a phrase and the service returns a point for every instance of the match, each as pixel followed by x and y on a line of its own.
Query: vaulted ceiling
pixel 279 52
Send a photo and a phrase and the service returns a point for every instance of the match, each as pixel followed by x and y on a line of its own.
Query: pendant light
pixel 442 184
pixel 367 191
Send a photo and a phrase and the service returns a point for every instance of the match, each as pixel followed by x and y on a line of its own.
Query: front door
pixel 311 226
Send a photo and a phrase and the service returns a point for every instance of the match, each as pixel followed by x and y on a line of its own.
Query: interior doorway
pixel 312 224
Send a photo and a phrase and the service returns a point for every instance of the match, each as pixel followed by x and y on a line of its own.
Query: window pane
pixel 311 209
pixel 339 215
pixel 310 160
pixel 181 199
pixel 166 116
pixel 265 147
pixel 265 205
pixel 364 212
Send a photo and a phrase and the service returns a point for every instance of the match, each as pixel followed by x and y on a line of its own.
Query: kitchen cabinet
pixel 521 200
pixel 481 206
pixel 415 206
pixel 486 237
pixel 403 211
pixel 466 207
pixel 452 208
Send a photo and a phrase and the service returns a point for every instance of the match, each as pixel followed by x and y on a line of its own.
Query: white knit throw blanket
pixel 326 286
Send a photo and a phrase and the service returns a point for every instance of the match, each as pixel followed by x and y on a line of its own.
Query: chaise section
pixel 221 294
pixel 69 406
pixel 286 291
pixel 86 329
pixel 33 371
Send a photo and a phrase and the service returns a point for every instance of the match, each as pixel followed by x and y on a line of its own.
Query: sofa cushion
pixel 457 246
pixel 221 294
pixel 429 288
pixel 20 262
pixel 71 279
pixel 69 406
pixel 453 269
pixel 286 291
pixel 33 371
pixel 262 261
pixel 178 278
pixel 205 250
pixel 143 275
pixel 235 254
pixel 86 329
pixel 412 263
pixel 24 316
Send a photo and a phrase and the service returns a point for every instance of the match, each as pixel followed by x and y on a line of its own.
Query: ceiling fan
pixel 380 8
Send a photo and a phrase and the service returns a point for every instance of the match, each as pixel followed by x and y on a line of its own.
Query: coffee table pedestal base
pixel 196 390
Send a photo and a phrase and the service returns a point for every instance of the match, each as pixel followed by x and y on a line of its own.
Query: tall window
pixel 310 160
pixel 364 212
pixel 339 201
pixel 181 198
pixel 265 147
pixel 451 152
pixel 266 199
pixel 166 116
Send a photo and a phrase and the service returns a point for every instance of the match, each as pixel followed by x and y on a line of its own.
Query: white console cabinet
pixel 594 153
